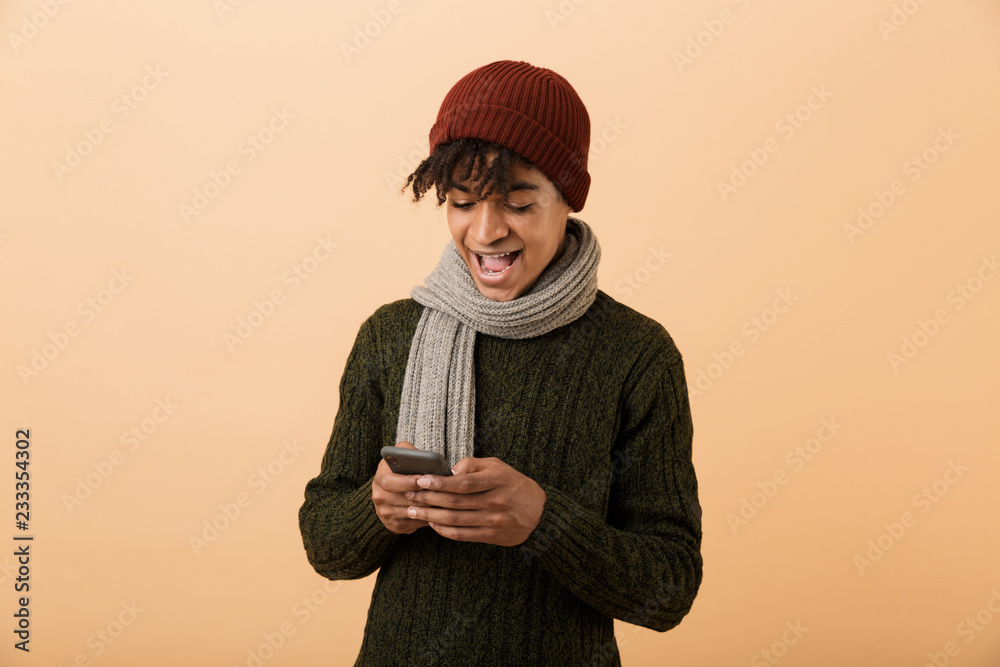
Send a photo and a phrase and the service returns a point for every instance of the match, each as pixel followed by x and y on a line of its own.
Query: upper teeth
pixel 503 255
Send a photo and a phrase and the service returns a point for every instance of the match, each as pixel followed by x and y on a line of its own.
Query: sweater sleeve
pixel 642 562
pixel 342 535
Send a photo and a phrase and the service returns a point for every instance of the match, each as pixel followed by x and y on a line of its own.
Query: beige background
pixel 672 131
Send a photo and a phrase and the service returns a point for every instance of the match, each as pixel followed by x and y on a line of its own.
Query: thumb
pixel 405 444
pixel 468 464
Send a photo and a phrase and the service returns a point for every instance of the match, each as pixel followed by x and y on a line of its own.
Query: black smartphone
pixel 407 461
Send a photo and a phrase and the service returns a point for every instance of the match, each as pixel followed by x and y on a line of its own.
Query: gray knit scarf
pixel 438 403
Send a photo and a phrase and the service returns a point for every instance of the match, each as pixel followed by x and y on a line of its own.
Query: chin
pixel 495 294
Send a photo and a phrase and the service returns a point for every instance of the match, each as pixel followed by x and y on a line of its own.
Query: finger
pixel 405 444
pixel 380 496
pixel 400 514
pixel 403 526
pixel 463 533
pixel 397 513
pixel 466 501
pixel 470 482
pixel 446 517
pixel 399 500
pixel 474 464
pixel 396 483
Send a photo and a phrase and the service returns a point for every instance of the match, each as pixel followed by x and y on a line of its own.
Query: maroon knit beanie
pixel 531 110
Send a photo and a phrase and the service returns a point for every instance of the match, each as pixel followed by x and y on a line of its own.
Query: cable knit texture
pixel 597 413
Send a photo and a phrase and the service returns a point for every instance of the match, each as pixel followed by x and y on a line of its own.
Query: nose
pixel 490 224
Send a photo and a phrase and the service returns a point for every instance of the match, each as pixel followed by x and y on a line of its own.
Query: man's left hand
pixel 486 501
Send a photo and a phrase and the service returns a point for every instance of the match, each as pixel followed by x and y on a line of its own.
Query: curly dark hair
pixel 436 171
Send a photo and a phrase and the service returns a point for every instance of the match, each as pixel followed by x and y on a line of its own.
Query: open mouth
pixel 496 265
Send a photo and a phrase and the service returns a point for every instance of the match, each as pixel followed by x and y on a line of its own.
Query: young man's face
pixel 530 224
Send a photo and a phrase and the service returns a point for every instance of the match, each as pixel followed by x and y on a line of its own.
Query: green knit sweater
pixel 597 413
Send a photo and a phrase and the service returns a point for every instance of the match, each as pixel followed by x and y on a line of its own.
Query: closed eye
pixel 515 209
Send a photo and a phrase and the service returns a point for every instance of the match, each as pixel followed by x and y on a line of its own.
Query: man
pixel 563 413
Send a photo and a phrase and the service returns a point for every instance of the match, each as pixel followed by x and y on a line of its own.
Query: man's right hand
pixel 388 488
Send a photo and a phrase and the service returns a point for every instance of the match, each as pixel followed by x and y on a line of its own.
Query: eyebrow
pixel 517 185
